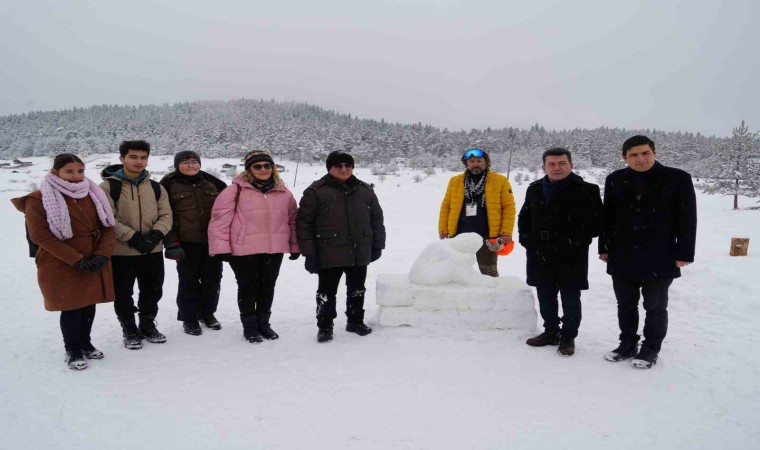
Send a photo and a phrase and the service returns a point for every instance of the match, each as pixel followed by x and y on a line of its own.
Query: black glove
pixel 310 263
pixel 294 256
pixel 223 256
pixel 155 236
pixel 174 251
pixel 92 264
pixel 144 244
pixel 375 255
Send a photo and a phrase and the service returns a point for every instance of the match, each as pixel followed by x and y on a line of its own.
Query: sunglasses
pixel 266 166
pixel 473 153
pixel 343 166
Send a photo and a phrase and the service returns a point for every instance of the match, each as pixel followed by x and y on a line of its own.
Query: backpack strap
pixel 156 188
pixel 114 189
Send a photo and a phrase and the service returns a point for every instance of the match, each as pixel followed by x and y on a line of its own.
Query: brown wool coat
pixel 64 286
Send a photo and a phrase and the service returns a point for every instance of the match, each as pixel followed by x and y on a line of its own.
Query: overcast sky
pixel 673 65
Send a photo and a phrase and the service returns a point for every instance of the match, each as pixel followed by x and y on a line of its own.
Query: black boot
pixel 325 333
pixel 624 351
pixel 149 331
pixel 251 329
pixel 264 328
pixel 211 322
pixel 192 327
pixel 75 360
pixel 90 352
pixel 566 346
pixel 132 337
pixel 355 314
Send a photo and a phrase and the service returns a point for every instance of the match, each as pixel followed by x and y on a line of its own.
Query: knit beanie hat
pixel 183 155
pixel 257 156
pixel 338 157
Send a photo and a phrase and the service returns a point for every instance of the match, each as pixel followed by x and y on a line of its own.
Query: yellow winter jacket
pixel 500 205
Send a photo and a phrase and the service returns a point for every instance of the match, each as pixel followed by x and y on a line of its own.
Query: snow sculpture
pixel 450 261
pixel 444 289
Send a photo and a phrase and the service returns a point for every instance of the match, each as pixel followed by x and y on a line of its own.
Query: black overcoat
pixel 557 236
pixel 644 238
pixel 340 223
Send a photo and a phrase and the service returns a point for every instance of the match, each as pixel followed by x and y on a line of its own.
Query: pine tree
pixel 735 168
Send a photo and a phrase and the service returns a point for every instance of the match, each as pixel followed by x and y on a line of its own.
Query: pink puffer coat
pixel 244 221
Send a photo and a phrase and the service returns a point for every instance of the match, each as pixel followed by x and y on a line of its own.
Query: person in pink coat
pixel 253 223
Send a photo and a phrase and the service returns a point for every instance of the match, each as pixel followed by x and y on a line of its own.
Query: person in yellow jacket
pixel 479 201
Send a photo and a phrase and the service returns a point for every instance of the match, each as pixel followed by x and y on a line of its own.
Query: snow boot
pixel 192 327
pixel 91 352
pixel 132 337
pixel 75 360
pixel 566 346
pixel 265 328
pixel 149 331
pixel 624 351
pixel 358 328
pixel 355 314
pixel 548 337
pixel 211 322
pixel 251 329
pixel 325 333
pixel 645 359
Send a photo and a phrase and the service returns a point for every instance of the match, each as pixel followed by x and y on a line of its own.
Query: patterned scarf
pixel 53 189
pixel 474 186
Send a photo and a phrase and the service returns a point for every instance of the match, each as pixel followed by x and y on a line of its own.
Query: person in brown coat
pixel 70 220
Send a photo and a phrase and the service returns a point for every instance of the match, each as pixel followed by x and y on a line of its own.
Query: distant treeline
pixel 229 128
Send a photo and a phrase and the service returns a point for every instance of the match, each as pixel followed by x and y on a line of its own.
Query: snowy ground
pixel 396 388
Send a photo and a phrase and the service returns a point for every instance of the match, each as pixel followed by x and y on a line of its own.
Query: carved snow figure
pixel 450 261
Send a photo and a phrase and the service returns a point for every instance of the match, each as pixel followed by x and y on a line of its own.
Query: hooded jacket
pixel 191 204
pixel 137 211
pixel 246 221
pixel 340 223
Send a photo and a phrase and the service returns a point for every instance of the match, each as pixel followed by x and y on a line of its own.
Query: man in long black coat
pixel 340 230
pixel 650 227
pixel 560 216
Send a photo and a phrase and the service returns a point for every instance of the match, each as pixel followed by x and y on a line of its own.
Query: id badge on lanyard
pixel 471 209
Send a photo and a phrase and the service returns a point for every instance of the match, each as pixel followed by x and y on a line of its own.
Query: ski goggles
pixel 473 153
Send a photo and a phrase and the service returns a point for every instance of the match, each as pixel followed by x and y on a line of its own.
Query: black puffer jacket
pixel 340 223
pixel 191 204
pixel 557 236
pixel 644 238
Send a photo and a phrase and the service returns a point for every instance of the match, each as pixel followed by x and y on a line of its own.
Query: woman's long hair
pixel 65 158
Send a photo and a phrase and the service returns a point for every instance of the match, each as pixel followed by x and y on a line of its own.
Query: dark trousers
pixel 148 270
pixel 328 289
pixel 199 279
pixel 76 326
pixel 487 261
pixel 571 309
pixel 655 293
pixel 256 277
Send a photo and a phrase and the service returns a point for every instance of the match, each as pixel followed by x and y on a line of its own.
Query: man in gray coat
pixel 340 230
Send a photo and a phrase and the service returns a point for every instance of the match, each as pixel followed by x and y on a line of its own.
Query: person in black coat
pixel 650 227
pixel 340 230
pixel 560 216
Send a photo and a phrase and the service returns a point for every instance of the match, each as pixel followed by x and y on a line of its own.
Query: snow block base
pixel 508 305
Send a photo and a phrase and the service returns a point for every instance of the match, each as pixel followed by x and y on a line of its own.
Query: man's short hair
pixel 637 140
pixel 126 146
pixel 557 151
